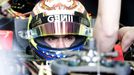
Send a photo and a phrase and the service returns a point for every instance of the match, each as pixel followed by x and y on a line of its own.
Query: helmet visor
pixel 56 28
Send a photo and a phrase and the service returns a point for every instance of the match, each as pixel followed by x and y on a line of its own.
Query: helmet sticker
pixel 58 18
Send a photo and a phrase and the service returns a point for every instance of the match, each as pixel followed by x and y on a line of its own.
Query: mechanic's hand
pixel 126 35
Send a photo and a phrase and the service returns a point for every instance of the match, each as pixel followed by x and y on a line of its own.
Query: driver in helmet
pixel 57 27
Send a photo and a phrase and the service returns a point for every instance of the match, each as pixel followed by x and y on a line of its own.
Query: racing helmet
pixel 50 18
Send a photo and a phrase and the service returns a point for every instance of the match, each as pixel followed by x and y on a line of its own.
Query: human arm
pixel 126 35
pixel 107 24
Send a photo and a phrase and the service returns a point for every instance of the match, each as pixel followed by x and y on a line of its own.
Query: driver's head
pixel 57 26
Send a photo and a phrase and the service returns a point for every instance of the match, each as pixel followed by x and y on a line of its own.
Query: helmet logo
pixel 59 18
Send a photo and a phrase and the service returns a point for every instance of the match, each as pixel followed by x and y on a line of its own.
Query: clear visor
pixel 56 28
pixel 60 42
